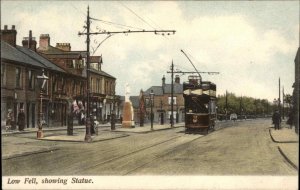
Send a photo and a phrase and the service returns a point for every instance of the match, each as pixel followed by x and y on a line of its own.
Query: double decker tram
pixel 200 105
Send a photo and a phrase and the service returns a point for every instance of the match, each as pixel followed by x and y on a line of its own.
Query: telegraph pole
pixel 279 101
pixel 88 137
pixel 88 33
pixel 172 92
pixel 283 102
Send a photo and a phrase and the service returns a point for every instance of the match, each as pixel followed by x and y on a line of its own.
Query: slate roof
pixel 11 53
pixel 158 90
pixel 56 51
pixel 102 73
pixel 40 59
pixel 134 100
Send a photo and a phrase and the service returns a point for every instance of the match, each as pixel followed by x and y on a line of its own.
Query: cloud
pixel 249 56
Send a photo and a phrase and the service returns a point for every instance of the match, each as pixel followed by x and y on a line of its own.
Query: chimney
pixel 177 79
pixel 29 42
pixel 9 36
pixel 44 42
pixel 63 46
pixel 163 83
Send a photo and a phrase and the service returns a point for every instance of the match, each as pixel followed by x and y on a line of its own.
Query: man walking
pixel 276 119
pixel 21 120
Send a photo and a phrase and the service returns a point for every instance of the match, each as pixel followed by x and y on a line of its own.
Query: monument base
pixel 127 124
pixel 127 115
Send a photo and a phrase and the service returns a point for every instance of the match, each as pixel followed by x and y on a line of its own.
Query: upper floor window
pixel 3 74
pixel 174 100
pixel 91 85
pixel 63 82
pixel 18 77
pixel 73 88
pixel 98 85
pixel 81 88
pixel 31 80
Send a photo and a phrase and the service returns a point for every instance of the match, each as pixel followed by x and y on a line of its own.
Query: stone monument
pixel 128 114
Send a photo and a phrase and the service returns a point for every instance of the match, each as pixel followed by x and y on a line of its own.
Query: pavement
pixel 287 143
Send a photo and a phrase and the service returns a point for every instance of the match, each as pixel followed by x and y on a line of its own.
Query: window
pixel 101 85
pixel 81 88
pixel 98 86
pixel 54 85
pixel 174 100
pixel 91 85
pixel 74 88
pixel 69 63
pixel 3 74
pixel 174 114
pixel 31 80
pixel 63 85
pixel 18 77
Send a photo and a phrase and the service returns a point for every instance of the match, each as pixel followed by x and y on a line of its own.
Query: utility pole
pixel 172 93
pixel 226 105
pixel 279 101
pixel 88 33
pixel 283 102
pixel 161 114
pixel 88 137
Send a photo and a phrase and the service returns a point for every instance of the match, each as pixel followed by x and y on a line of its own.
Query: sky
pixel 250 43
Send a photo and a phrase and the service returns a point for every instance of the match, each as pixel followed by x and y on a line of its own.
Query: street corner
pixel 284 135
pixel 290 151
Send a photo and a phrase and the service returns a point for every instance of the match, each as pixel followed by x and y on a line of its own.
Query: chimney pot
pixel 5 27
pixel 13 27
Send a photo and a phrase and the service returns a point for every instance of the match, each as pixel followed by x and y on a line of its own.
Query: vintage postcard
pixel 150 94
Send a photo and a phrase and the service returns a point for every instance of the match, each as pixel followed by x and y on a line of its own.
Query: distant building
pixel 162 101
pixel 296 91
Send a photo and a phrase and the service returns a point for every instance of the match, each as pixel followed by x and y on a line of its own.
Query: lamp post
pixel 104 105
pixel 100 110
pixel 151 102
pixel 113 124
pixel 43 79
pixel 161 113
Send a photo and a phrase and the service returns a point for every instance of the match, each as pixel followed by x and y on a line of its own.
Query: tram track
pixel 163 155
pixel 125 155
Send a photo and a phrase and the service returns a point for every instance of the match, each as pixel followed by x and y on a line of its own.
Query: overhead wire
pixel 137 15
pixel 112 23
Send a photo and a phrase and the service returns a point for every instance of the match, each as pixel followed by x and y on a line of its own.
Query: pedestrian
pixel 21 120
pixel 9 120
pixel 276 118
pixel 82 117
pixel 290 120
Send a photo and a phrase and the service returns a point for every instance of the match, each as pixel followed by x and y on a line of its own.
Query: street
pixel 235 148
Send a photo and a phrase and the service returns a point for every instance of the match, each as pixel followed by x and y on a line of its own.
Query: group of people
pixel 10 121
pixel 276 119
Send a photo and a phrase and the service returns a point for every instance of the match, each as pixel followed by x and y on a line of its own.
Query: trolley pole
pixel 172 93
